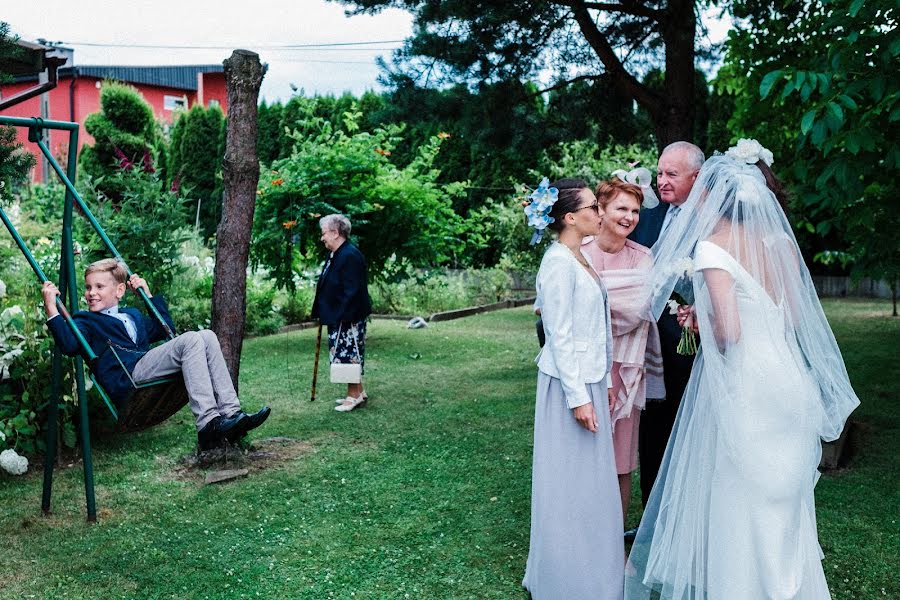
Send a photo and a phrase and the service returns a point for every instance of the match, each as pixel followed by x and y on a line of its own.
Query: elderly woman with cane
pixel 342 303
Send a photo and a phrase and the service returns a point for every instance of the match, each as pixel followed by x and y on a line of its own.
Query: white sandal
pixel 350 403
pixel 341 400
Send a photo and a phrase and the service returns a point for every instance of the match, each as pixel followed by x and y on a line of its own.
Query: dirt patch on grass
pixel 268 453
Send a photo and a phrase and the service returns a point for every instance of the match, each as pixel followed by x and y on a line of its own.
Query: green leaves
pixel 395 211
pixel 806 122
pixel 765 87
pixel 832 123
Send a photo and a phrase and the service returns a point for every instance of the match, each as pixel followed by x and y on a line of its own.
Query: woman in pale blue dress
pixel 576 549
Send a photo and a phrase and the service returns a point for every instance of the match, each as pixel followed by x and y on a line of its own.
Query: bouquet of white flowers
pixel 683 295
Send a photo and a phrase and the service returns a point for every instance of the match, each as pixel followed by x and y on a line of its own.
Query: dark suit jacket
pixel 647 231
pixel 342 294
pixel 101 331
pixel 676 367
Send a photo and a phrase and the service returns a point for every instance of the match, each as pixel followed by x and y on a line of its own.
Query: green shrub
pixel 420 292
pixel 146 225
pixel 394 211
pixel 297 306
pixel 126 136
pixel 195 163
pixel 26 379
pixel 262 315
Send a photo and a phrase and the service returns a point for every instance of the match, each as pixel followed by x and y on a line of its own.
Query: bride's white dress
pixel 732 514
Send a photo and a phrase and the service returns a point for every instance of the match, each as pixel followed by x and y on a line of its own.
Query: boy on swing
pixel 196 354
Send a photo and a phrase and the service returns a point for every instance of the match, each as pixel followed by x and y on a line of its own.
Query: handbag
pixel 346 372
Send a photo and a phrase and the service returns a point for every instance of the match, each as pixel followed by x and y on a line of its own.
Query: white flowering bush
pixel 12 463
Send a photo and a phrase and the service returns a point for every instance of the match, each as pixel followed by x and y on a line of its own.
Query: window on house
pixel 213 103
pixel 174 102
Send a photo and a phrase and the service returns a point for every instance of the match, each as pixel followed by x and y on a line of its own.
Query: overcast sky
pixel 114 27
pixel 257 25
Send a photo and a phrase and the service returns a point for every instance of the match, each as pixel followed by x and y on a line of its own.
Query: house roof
pixel 28 61
pixel 183 77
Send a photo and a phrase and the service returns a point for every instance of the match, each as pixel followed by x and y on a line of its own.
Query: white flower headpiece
pixel 750 152
pixel 642 178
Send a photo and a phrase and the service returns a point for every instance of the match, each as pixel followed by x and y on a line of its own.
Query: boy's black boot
pixel 222 428
pixel 210 436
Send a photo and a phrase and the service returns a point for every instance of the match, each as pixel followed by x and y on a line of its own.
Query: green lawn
pixel 422 494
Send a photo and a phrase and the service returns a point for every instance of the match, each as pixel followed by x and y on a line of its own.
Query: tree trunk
pixel 894 295
pixel 240 173
pixel 675 122
pixel 672 112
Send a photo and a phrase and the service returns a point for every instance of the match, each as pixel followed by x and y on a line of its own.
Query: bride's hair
pixel 774 184
pixel 567 201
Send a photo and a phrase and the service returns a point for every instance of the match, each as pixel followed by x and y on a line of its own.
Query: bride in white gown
pixel 732 514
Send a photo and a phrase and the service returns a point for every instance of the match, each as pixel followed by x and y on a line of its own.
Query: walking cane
pixel 316 363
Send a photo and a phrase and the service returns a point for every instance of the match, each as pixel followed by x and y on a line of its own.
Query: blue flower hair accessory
pixel 538 208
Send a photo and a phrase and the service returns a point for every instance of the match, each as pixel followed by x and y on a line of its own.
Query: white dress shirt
pixel 113 311
pixel 671 214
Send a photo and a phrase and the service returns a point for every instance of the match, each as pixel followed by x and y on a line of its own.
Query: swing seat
pixel 151 403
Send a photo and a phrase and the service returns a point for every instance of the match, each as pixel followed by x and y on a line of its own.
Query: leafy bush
pixel 145 223
pixel 25 385
pixel 125 134
pixel 393 211
pixel 263 316
pixel 195 163
pixel 297 306
pixel 419 292
pixel 496 232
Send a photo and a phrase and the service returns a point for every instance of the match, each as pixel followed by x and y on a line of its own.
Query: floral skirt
pixel 347 343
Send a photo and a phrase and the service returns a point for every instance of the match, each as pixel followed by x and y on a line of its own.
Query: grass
pixel 423 494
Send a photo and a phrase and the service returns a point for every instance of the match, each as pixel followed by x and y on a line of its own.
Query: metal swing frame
pixel 69 289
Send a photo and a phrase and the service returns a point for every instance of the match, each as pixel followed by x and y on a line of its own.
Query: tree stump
pixel 240 172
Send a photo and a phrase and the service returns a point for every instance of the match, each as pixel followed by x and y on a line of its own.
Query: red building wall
pixel 211 89
pixel 84 96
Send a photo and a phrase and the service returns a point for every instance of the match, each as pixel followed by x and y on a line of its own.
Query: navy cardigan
pixel 342 294
pixel 102 331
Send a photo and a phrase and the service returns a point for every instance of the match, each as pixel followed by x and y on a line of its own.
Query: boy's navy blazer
pixel 342 294
pixel 101 331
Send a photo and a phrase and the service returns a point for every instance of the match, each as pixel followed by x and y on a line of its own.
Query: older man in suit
pixel 677 171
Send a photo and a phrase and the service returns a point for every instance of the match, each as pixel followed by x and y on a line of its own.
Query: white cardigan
pixel 576 320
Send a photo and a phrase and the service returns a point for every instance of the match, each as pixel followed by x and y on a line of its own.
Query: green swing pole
pixel 57 376
pixel 53 408
pixel 67 278
pixel 52 430
pixel 71 192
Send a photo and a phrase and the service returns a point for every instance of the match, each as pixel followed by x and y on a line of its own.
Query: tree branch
pixel 619 76
pixel 563 84
pixel 629 7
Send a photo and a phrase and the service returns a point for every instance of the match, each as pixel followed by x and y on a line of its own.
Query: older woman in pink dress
pixel 624 265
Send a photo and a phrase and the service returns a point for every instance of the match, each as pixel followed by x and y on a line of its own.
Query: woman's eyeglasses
pixel 594 207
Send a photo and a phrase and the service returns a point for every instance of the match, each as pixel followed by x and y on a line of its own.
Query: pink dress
pixel 625 435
